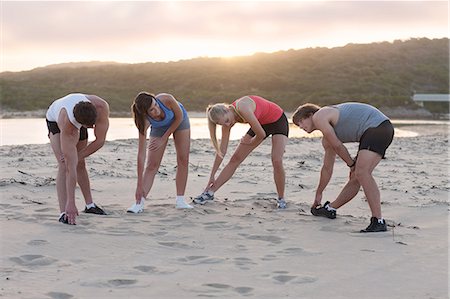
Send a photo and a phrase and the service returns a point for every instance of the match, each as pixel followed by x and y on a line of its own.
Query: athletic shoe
pixel 281 203
pixel 375 226
pixel 94 210
pixel 323 211
pixel 137 207
pixel 63 219
pixel 182 205
pixel 203 198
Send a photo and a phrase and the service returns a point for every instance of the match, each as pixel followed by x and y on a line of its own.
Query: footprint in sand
pixel 200 260
pixel 121 282
pixel 223 287
pixel 243 263
pixel 283 277
pixel 178 245
pixel 297 251
pixel 37 242
pixel 59 295
pixel 153 270
pixel 268 238
pixel 33 260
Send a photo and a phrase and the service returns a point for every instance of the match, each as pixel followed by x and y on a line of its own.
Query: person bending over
pixel 67 121
pixel 349 122
pixel 166 116
pixel 265 118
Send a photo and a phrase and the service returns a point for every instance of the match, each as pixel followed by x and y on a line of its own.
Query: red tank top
pixel 266 112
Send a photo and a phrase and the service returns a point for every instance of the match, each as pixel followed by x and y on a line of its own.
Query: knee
pixel 81 165
pixel 235 160
pixel 183 161
pixel 151 167
pixel 62 165
pixel 361 174
pixel 277 163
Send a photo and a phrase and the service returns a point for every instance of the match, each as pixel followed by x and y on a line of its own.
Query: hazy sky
pixel 39 33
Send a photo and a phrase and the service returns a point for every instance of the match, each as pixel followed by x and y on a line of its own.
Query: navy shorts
pixel 377 139
pixel 54 129
pixel 159 132
pixel 281 126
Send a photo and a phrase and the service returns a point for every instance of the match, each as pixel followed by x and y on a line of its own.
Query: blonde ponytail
pixel 213 113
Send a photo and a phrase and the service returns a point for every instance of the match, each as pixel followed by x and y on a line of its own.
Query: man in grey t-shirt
pixel 349 122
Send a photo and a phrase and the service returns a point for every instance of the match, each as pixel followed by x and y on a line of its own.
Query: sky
pixel 40 33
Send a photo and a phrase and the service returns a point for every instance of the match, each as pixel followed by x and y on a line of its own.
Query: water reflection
pixel 34 130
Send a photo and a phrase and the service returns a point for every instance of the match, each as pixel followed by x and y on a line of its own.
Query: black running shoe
pixel 323 211
pixel 375 226
pixel 94 210
pixel 63 219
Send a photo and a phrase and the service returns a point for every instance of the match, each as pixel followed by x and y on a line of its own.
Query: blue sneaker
pixel 203 198
pixel 281 203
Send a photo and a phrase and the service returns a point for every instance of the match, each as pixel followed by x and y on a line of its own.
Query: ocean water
pixel 34 130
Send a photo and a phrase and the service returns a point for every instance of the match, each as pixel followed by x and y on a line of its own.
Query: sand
pixel 240 245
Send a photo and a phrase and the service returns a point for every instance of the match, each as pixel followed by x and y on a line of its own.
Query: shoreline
pixel 391 112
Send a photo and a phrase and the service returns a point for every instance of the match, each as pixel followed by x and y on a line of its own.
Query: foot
pixel 375 226
pixel 281 203
pixel 182 205
pixel 324 211
pixel 137 207
pixel 94 210
pixel 63 219
pixel 203 198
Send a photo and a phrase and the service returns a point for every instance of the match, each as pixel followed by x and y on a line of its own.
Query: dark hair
pixel 304 111
pixel 139 108
pixel 85 113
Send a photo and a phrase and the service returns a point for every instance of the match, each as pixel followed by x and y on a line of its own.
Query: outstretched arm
pixel 218 159
pixel 326 172
pixel 322 120
pixel 100 128
pixel 69 139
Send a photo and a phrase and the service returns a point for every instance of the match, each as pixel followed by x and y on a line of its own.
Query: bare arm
pixel 322 120
pixel 69 139
pixel 140 165
pixel 223 149
pixel 100 129
pixel 326 172
pixel 247 110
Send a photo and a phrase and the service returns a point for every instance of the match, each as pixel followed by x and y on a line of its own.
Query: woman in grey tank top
pixel 349 122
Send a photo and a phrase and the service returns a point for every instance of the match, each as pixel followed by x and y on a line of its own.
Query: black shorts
pixel 377 139
pixel 281 126
pixel 54 129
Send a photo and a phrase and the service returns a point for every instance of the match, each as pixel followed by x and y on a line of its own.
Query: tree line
pixel 382 74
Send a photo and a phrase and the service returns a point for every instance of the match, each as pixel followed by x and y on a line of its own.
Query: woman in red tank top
pixel 265 118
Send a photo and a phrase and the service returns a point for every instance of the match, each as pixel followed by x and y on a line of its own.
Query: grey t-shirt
pixel 355 119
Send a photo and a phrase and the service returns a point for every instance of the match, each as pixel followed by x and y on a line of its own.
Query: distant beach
pixel 239 245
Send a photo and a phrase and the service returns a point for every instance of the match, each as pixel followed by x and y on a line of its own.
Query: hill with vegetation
pixel 382 74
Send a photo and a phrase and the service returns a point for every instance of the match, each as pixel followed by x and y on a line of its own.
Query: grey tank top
pixel 355 119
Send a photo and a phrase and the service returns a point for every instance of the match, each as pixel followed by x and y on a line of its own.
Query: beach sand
pixel 240 245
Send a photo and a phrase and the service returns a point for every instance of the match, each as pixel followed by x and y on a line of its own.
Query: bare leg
pixel 182 141
pixel 61 190
pixel 366 163
pixel 83 176
pixel 278 147
pixel 151 168
pixel 242 151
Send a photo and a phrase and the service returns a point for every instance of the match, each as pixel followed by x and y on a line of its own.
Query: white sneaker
pixel 137 207
pixel 182 205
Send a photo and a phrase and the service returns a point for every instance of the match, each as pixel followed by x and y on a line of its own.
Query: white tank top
pixel 68 102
